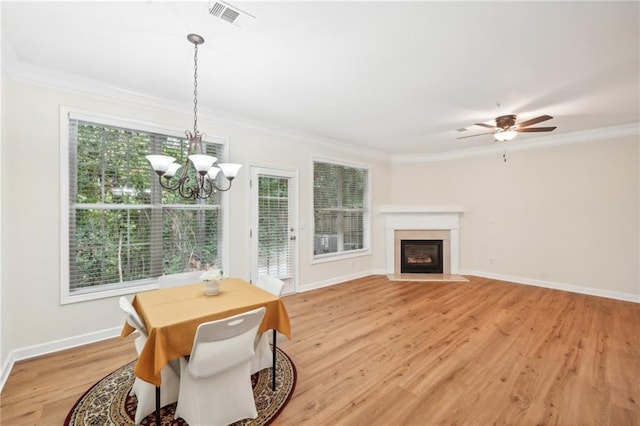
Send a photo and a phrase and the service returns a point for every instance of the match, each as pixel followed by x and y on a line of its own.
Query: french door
pixel 273 225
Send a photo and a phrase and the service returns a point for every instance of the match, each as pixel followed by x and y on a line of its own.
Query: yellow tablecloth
pixel 172 316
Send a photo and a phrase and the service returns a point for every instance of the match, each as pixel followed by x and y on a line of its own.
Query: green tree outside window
pixel 122 227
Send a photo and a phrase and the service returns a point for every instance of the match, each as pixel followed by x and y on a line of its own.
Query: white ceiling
pixel 397 77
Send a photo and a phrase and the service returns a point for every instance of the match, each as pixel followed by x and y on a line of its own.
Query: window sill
pixel 66 299
pixel 332 257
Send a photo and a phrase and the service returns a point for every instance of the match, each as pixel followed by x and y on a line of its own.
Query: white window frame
pixel 366 219
pixel 67 113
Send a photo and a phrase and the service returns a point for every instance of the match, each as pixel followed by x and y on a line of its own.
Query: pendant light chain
pixel 195 90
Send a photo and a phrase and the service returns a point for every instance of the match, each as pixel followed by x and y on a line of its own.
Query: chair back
pixel 183 278
pixel 222 344
pixel 271 284
pixel 132 316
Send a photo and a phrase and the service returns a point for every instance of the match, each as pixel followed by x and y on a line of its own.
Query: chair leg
pixel 273 366
pixel 158 422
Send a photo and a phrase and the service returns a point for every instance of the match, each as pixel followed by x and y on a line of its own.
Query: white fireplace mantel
pixel 420 217
pixel 411 209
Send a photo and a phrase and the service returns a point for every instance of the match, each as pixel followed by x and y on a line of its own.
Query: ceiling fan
pixel 507 129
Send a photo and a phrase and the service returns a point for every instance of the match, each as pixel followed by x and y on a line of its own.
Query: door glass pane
pixel 274 248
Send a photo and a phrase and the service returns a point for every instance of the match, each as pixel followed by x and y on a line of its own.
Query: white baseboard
pixel 333 281
pixel 54 346
pixel 6 370
pixel 628 297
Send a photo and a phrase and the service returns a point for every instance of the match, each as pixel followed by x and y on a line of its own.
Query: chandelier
pixel 206 166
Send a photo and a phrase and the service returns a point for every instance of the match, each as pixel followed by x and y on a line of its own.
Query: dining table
pixel 172 316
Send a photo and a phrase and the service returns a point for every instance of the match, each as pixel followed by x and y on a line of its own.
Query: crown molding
pixel 73 83
pixel 57 80
pixel 632 129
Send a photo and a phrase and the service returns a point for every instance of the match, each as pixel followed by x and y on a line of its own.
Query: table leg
pixel 158 421
pixel 273 366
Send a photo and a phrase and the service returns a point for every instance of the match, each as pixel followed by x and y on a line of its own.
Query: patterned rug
pixel 108 401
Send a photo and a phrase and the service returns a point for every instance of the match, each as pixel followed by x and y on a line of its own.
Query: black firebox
pixel 421 257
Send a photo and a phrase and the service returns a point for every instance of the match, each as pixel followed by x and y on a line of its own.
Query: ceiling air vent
pixel 230 14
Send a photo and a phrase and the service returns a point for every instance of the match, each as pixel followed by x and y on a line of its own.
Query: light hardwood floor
pixel 376 352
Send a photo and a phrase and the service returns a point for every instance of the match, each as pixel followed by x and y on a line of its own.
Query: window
pixel 123 230
pixel 340 209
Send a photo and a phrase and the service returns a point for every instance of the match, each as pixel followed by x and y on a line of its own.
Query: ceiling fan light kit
pixel 505 135
pixel 506 128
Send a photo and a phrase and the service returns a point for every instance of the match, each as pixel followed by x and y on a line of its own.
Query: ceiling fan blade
pixel 478 134
pixel 488 126
pixel 535 120
pixel 536 129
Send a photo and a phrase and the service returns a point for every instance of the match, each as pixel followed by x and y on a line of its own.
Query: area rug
pixel 108 401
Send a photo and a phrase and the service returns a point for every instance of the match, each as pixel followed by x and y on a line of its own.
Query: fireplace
pixel 421 257
pixel 423 223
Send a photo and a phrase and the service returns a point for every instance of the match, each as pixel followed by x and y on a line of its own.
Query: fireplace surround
pixel 422 223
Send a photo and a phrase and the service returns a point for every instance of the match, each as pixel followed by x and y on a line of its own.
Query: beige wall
pixel 544 215
pixel 565 214
pixel 31 312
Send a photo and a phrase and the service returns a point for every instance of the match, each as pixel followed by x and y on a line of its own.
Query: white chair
pixel 271 284
pixel 215 385
pixel 134 321
pixel 264 355
pixel 145 391
pixel 183 278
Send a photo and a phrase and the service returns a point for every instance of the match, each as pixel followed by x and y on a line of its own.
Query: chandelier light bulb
pixel 230 170
pixel 213 172
pixel 160 163
pixel 173 168
pixel 202 162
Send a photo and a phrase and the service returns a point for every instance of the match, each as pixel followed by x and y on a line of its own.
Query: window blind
pixel 123 229
pixel 274 248
pixel 340 206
